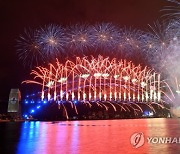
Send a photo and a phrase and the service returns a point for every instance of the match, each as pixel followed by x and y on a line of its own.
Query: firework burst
pixel 157 44
pixel 51 38
pixel 29 50
pixel 79 38
pixel 130 42
pixel 105 36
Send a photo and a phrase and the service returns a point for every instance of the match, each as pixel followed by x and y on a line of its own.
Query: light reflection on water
pixel 91 137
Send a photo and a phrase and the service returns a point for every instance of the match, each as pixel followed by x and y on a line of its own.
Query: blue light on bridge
pixel 38 107
pixel 44 101
pixel 75 101
pixel 32 111
pixel 32 102
pixel 146 113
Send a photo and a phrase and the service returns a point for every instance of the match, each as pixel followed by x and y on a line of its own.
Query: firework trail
pixel 173 10
pixel 98 79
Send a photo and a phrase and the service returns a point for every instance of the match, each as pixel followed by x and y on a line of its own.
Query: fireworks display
pixel 100 81
pixel 54 41
pixel 99 78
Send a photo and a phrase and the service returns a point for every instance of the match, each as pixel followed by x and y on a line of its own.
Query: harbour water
pixel 88 137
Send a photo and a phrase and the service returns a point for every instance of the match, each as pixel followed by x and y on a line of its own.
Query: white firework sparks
pixel 105 36
pixel 79 38
pixel 51 38
pixel 29 50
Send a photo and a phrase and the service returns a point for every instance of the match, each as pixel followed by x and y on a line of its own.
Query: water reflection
pixel 108 136
pixel 29 135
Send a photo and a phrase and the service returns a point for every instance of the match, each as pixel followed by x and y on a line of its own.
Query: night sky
pixel 19 14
